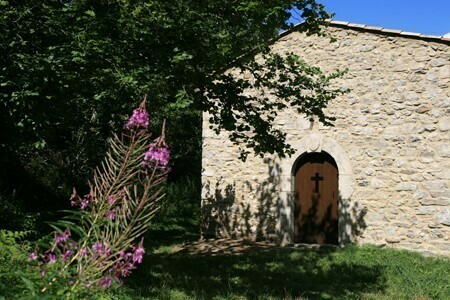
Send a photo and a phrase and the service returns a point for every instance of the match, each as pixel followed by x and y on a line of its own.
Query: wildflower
pixel 43 272
pixel 157 155
pixel 84 203
pixel 138 253
pixel 98 248
pixel 139 118
pixel 63 237
pixel 66 255
pixel 32 256
pixel 110 215
pixel 83 251
pixel 74 194
pixel 111 199
pixel 51 258
pixel 105 282
pixel 73 203
pixel 125 269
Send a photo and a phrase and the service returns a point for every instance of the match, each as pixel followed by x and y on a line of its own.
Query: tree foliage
pixel 70 70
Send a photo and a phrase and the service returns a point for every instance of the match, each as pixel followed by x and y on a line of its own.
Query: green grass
pixel 284 273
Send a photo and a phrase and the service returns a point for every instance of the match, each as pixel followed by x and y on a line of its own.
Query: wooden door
pixel 316 194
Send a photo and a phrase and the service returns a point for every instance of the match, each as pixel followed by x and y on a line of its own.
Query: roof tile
pixel 386 30
pixel 410 33
pixel 427 36
pixel 339 22
pixel 374 28
pixel 383 30
pixel 356 25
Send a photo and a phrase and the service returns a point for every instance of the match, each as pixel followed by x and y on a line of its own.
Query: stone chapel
pixel 381 175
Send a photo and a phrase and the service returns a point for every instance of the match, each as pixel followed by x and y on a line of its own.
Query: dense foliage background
pixel 72 71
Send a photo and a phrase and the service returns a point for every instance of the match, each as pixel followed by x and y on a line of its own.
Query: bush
pixel 13 263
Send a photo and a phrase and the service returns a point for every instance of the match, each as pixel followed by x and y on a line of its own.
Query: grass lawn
pixel 283 273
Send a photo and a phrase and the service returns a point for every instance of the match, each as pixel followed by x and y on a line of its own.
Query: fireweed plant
pixel 102 241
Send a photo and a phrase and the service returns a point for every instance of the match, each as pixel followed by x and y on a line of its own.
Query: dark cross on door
pixel 317 178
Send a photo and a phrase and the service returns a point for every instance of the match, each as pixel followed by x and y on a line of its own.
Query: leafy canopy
pixel 69 67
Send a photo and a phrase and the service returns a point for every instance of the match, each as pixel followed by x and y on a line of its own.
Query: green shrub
pixel 14 268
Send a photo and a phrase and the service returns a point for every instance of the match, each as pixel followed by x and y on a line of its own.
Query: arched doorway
pixel 316 199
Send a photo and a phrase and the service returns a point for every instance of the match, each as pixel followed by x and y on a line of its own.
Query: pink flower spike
pixel 32 256
pixel 158 156
pixel 139 118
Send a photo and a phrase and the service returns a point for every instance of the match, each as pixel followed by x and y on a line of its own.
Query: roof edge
pixel 376 29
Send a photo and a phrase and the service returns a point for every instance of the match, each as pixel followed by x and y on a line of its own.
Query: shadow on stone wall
pixel 265 212
pixel 270 205
pixel 217 210
pixel 255 219
pixel 351 221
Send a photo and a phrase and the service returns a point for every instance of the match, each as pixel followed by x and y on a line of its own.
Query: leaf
pixel 43 244
pixel 40 144
pixel 181 57
pixel 90 13
pixel 29 284
pixel 72 226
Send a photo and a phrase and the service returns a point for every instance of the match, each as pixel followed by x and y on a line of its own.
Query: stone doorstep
pixel 313 246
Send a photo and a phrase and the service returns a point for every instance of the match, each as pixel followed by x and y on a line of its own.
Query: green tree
pixel 71 70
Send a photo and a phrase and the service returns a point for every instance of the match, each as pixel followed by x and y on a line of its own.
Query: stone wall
pixel 391 142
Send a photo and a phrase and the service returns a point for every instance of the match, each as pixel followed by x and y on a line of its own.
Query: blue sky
pixel 423 16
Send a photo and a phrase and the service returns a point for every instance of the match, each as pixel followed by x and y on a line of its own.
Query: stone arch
pixel 311 143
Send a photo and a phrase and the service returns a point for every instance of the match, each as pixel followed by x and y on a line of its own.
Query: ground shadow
pixel 259 272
